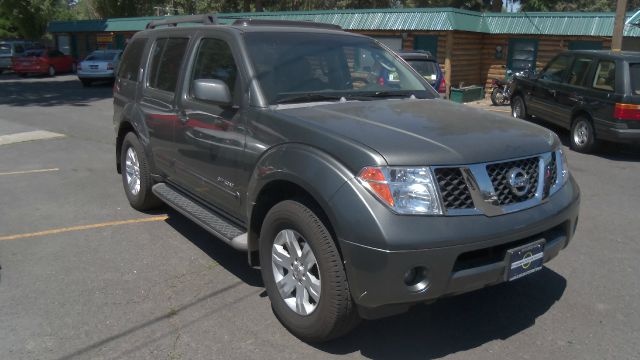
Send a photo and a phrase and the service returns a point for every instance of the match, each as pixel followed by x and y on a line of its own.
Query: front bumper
pixel 460 253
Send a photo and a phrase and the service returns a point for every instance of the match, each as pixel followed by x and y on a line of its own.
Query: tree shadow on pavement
pixel 48 92
pixel 455 324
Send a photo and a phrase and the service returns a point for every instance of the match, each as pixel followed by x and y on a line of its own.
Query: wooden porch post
pixel 447 62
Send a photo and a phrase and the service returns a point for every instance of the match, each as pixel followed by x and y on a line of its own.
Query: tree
pixel 575 5
pixel 29 18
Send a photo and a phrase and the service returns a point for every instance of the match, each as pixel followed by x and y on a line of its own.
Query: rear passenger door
pixel 570 94
pixel 157 102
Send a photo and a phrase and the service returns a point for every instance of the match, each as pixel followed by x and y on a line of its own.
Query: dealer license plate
pixel 525 260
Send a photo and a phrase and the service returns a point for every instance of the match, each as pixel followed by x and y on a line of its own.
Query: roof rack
pixel 263 22
pixel 207 19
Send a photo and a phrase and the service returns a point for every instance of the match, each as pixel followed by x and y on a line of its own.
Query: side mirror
pixel 212 90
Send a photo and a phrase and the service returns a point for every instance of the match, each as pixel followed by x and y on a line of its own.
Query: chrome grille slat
pixel 498 174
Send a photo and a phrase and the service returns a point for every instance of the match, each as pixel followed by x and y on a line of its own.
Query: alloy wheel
pixel 296 272
pixel 132 169
pixel 581 133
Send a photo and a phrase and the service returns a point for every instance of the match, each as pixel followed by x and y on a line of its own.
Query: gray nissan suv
pixel 335 167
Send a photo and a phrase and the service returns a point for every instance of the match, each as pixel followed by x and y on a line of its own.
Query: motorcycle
pixel 503 89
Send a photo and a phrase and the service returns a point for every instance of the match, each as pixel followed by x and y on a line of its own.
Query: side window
pixel 605 78
pixel 215 61
pixel 19 49
pixel 166 60
pixel 556 70
pixel 131 59
pixel 579 71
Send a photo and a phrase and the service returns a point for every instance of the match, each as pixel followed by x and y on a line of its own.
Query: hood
pixel 428 132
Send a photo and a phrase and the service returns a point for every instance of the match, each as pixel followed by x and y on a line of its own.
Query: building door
pixel 427 43
pixel 522 55
pixel 64 44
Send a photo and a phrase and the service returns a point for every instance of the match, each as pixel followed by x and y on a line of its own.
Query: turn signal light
pixel 626 111
pixel 378 183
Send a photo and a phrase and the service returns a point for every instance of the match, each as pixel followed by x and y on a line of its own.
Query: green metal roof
pixel 425 19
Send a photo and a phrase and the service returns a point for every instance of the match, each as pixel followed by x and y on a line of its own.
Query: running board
pixel 209 220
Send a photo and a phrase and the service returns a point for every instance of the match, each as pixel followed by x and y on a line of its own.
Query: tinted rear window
pixel 131 60
pixel 428 69
pixel 166 61
pixel 634 70
pixel 101 56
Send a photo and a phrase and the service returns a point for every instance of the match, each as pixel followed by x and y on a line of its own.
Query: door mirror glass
pixel 211 90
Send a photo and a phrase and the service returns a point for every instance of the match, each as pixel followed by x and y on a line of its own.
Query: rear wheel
pixel 518 108
pixel 52 71
pixel 303 274
pixel 497 97
pixel 136 177
pixel 583 135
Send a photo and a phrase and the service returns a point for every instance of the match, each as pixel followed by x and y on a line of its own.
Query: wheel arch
pixel 124 128
pixel 293 172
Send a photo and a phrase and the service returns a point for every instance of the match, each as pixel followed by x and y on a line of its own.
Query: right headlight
pixel 406 190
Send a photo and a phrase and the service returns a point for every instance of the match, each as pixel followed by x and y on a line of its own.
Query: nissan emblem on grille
pixel 518 181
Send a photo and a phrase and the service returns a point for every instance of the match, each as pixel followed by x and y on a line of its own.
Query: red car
pixel 42 61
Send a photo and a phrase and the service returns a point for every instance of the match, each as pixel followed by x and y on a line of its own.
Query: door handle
pixel 553 92
pixel 182 116
pixel 577 98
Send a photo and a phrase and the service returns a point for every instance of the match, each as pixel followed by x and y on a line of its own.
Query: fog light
pixel 416 278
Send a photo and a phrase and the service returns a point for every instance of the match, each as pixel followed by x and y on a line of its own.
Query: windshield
pixel 425 68
pixel 303 67
pixel 101 56
pixel 5 49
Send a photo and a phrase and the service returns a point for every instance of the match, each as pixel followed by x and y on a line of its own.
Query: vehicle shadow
pixel 47 92
pixel 455 324
pixel 232 260
pixel 607 150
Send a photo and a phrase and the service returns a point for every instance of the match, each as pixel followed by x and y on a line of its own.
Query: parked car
pixel 9 50
pixel 356 197
pixel 43 61
pixel 427 66
pixel 100 65
pixel 593 93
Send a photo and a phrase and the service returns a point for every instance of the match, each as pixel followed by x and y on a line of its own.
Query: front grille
pixel 453 188
pixel 498 174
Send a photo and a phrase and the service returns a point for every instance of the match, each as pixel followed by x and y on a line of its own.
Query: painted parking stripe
pixel 28 136
pixel 28 171
pixel 84 227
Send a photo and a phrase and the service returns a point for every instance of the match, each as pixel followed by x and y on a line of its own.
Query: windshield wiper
pixel 308 98
pixel 381 94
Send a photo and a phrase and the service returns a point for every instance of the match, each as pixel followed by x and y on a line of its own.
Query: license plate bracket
pixel 524 260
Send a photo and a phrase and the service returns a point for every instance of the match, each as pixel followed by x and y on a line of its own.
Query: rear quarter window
pixel 605 77
pixel 131 60
pixel 634 71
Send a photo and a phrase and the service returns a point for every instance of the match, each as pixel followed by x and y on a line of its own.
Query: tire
pixel 132 157
pixel 52 71
pixel 494 96
pixel 86 82
pixel 519 108
pixel 583 136
pixel 332 312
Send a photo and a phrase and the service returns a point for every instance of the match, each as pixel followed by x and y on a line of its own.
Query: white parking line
pixel 28 136
pixel 28 171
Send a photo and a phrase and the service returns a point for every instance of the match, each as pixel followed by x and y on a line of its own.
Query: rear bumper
pixel 621 135
pixel 102 75
pixel 475 259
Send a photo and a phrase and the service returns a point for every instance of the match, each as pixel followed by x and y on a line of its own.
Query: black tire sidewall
pixel 292 215
pixel 517 100
pixel 145 199
pixel 494 96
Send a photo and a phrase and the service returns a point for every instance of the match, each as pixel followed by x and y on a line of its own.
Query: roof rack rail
pixel 263 22
pixel 207 19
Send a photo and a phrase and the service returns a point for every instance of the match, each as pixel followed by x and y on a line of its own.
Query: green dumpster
pixel 467 94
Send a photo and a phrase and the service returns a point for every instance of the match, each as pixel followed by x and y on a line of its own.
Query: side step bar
pixel 209 220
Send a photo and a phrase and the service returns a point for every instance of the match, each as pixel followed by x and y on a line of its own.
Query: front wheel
pixel 497 96
pixel 303 274
pixel 583 136
pixel 136 177
pixel 52 71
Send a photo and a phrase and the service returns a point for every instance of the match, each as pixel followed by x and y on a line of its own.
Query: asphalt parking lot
pixel 84 276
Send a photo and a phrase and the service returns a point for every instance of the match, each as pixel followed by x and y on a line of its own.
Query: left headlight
pixel 406 190
pixel 563 167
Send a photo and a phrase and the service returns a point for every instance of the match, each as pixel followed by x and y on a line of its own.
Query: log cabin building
pixel 471 47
